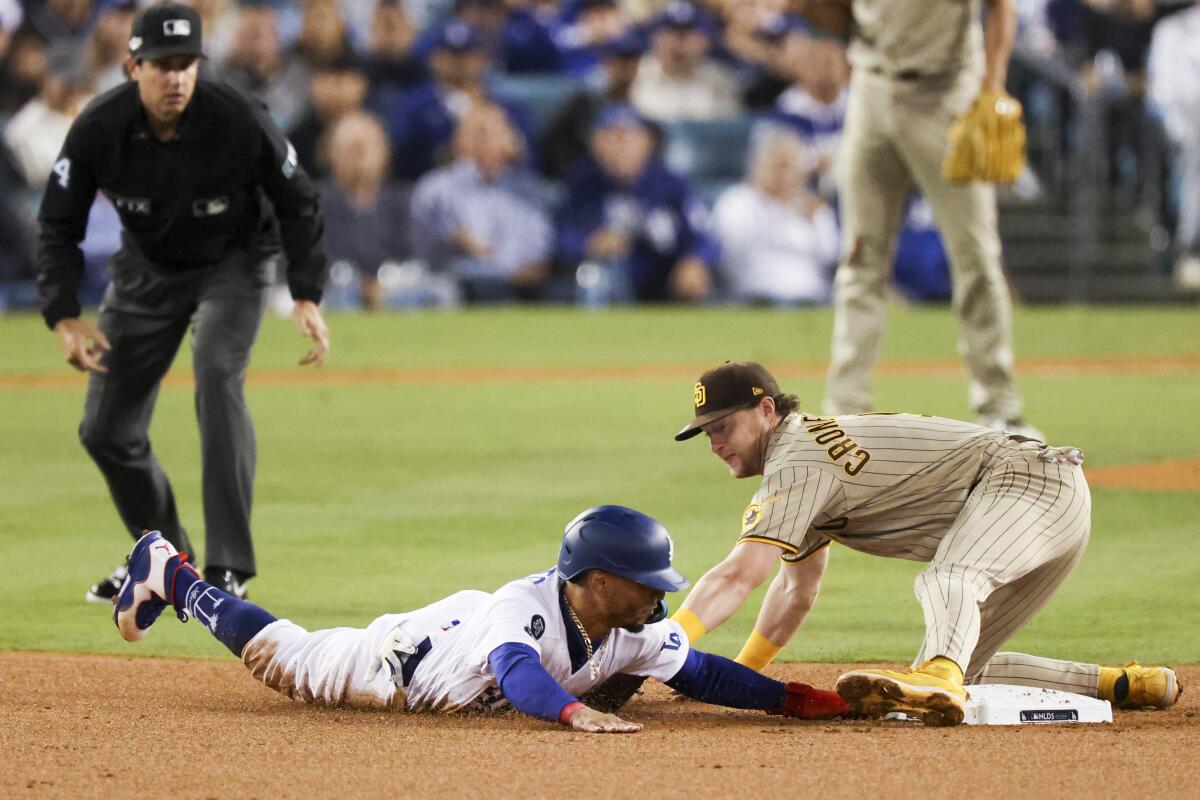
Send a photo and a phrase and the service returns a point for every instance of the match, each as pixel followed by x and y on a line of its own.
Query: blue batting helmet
pixel 622 541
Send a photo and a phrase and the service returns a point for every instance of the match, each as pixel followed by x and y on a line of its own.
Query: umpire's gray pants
pixel 145 314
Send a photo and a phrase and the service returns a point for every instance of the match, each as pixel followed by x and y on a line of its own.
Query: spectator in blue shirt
pixel 485 219
pixel 422 123
pixel 515 39
pixel 584 28
pixel 627 213
pixel 568 134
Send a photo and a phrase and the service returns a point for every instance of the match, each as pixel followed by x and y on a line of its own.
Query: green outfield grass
pixel 375 497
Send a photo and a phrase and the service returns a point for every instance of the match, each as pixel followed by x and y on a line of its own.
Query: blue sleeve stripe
pixel 526 684
pixel 714 679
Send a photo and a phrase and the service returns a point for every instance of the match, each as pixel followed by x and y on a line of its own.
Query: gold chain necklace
pixel 593 665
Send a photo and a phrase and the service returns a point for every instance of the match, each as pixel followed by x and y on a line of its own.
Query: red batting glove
pixel 805 702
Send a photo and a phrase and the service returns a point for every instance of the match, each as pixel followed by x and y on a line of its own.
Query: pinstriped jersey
pixel 884 484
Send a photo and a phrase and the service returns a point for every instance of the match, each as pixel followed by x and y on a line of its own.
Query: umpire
pixel 207 188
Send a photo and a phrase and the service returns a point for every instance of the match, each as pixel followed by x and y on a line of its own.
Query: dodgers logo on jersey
pixel 536 627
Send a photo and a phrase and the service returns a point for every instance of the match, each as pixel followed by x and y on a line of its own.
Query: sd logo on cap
pixel 725 389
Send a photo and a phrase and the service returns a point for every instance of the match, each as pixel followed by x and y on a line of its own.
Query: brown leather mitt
pixel 987 143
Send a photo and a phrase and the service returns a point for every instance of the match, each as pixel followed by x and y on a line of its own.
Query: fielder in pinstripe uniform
pixel 1000 520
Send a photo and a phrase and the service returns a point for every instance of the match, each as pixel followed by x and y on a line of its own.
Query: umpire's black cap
pixel 728 388
pixel 166 29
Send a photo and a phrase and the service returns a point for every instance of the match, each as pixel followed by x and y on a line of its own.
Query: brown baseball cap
pixel 728 388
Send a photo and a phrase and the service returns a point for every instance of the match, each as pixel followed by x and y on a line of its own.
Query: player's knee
pixel 220 375
pixel 105 443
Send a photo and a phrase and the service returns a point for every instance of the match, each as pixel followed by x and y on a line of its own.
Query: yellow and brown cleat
pixel 1145 687
pixel 927 693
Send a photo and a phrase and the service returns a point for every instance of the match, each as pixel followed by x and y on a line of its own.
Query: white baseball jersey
pixel 328 666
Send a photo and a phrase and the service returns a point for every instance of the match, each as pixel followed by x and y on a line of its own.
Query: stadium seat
pixel 711 152
pixel 540 96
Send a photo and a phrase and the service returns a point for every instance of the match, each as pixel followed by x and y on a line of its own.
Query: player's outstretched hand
pixel 82 343
pixel 589 720
pixel 308 320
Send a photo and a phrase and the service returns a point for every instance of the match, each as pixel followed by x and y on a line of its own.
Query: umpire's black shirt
pixel 185 203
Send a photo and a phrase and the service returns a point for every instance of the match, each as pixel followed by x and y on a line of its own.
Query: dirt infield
pixel 86 726
pixel 1182 475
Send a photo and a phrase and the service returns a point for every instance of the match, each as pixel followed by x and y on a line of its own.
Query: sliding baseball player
pixel 538 644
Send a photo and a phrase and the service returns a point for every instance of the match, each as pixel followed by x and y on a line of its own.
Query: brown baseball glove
pixel 987 143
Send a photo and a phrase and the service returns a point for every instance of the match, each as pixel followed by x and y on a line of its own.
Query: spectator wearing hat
pixel 516 40
pixel 629 216
pixel 485 218
pixel 366 213
pixel 770 65
pixel 256 64
pixel 422 123
pixel 585 30
pixel 678 79
pixel 338 87
pixel 567 136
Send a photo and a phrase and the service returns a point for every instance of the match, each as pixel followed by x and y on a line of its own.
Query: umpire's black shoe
pixel 105 590
pixel 228 581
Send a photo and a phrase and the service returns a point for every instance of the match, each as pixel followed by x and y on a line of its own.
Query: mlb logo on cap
pixel 166 29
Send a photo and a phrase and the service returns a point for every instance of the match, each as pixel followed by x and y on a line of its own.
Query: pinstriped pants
pixel 1024 527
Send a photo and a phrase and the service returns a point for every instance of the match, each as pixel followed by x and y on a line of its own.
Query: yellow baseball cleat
pixel 926 693
pixel 1150 687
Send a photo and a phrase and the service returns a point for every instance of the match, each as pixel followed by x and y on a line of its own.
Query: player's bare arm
pixel 788 600
pixel 1000 33
pixel 725 587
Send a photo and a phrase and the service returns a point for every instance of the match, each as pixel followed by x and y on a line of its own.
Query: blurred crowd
pixel 591 151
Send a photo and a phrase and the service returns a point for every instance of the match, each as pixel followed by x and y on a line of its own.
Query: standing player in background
pixel 190 167
pixel 917 66
pixel 537 644
pixel 1000 519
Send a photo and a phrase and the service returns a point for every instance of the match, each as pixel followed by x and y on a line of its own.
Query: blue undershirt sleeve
pixel 715 679
pixel 525 682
